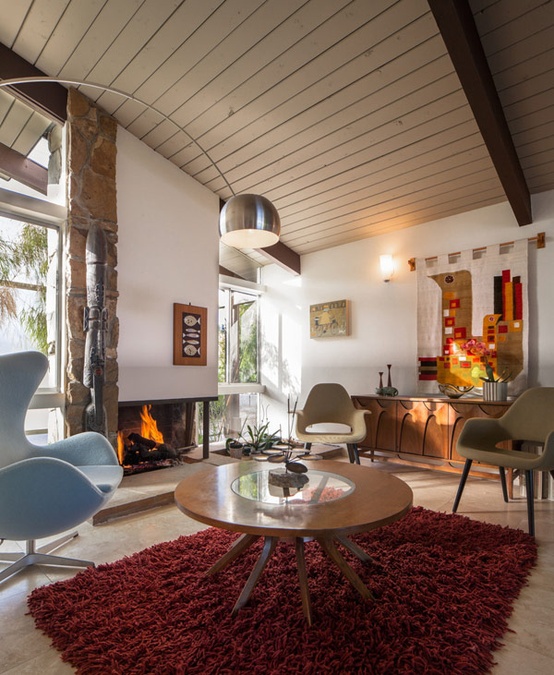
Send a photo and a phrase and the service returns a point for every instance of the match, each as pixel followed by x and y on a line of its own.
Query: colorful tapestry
pixel 473 313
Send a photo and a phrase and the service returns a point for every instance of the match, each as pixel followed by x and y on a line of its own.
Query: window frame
pixel 43 213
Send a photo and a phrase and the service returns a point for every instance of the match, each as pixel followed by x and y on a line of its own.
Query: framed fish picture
pixel 189 335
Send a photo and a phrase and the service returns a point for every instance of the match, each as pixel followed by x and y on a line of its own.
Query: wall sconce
pixel 387 267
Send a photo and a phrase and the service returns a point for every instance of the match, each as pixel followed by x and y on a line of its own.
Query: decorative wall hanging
pixel 473 318
pixel 330 319
pixel 189 335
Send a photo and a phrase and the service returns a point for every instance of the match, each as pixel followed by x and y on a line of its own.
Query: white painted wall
pixel 384 328
pixel 167 253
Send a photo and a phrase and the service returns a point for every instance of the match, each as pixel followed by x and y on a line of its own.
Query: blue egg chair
pixel 50 489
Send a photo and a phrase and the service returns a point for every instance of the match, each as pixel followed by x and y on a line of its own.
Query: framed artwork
pixel 189 335
pixel 330 319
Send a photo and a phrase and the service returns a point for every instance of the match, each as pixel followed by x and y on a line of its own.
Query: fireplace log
pixel 141 440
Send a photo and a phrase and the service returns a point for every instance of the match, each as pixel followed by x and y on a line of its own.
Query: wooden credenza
pixel 420 429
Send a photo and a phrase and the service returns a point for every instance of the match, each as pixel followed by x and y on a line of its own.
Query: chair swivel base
pixel 40 556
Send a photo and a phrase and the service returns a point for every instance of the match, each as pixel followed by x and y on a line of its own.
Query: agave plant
pixel 491 376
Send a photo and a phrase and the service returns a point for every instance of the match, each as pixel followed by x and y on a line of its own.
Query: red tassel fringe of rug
pixel 444 588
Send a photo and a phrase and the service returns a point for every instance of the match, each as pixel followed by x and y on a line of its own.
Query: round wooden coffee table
pixel 340 500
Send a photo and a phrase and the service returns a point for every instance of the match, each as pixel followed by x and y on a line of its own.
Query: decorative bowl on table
pixel 453 391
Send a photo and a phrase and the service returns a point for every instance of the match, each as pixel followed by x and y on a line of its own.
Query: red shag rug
pixel 444 587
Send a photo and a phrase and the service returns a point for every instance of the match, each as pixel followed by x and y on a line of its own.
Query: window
pixel 238 336
pixel 238 373
pixel 30 310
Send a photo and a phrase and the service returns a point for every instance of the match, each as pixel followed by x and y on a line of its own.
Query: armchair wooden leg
pixel 353 454
pixel 503 483
pixel 530 501
pixel 465 473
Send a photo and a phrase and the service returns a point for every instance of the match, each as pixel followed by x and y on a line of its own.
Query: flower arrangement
pixel 476 348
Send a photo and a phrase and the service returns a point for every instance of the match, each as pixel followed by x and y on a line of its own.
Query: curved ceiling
pixel 350 116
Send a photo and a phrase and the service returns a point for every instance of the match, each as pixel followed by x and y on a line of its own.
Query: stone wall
pixel 91 164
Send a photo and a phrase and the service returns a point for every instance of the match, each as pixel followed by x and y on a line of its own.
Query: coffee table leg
pixel 267 551
pixel 354 548
pixel 328 545
pixel 244 542
pixel 303 579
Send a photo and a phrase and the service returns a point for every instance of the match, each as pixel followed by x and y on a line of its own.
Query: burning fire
pixel 120 447
pixel 149 427
pixel 148 430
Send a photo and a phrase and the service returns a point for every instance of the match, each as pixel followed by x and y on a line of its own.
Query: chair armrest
pixel 481 434
pixel 85 449
pixel 41 496
pixel 358 421
pixel 545 461
pixel 301 421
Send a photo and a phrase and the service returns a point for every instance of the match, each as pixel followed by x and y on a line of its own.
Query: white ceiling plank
pixel 36 30
pixel 366 152
pixel 405 112
pixel 13 15
pixel 292 73
pixel 149 18
pixel 327 111
pixel 103 32
pixel 71 26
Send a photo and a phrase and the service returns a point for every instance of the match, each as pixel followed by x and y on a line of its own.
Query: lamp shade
pixel 387 267
pixel 249 221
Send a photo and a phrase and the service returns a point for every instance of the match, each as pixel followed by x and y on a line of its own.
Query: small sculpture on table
pixel 389 390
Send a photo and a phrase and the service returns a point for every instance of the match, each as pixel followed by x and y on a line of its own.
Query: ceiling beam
pixel 22 169
pixel 459 32
pixel 48 98
pixel 282 255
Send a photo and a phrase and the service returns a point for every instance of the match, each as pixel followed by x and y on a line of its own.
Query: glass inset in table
pixel 322 487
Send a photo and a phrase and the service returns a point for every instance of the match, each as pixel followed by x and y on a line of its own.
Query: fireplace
pixel 154 435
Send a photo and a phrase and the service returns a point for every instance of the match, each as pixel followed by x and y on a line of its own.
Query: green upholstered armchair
pixel 530 418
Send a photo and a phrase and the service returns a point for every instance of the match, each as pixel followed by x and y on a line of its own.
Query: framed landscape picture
pixel 189 335
pixel 330 319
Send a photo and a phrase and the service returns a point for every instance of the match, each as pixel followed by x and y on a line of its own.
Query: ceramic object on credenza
pixel 453 391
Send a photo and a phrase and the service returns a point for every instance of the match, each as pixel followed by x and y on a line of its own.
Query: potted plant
pixel 494 388
pixel 252 439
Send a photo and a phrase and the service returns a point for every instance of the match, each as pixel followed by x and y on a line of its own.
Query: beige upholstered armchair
pixel 530 418
pixel 330 403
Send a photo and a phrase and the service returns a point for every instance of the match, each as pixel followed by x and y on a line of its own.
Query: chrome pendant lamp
pixel 249 221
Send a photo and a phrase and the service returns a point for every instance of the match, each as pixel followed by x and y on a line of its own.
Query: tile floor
pixel 528 650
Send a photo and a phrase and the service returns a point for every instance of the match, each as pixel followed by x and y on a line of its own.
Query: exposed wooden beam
pixel 282 255
pixel 49 98
pixel 16 165
pixel 459 32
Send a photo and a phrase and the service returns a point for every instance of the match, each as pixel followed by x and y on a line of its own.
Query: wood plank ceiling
pixel 349 115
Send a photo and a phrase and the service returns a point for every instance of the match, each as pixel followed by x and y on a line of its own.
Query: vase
pixel 495 391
